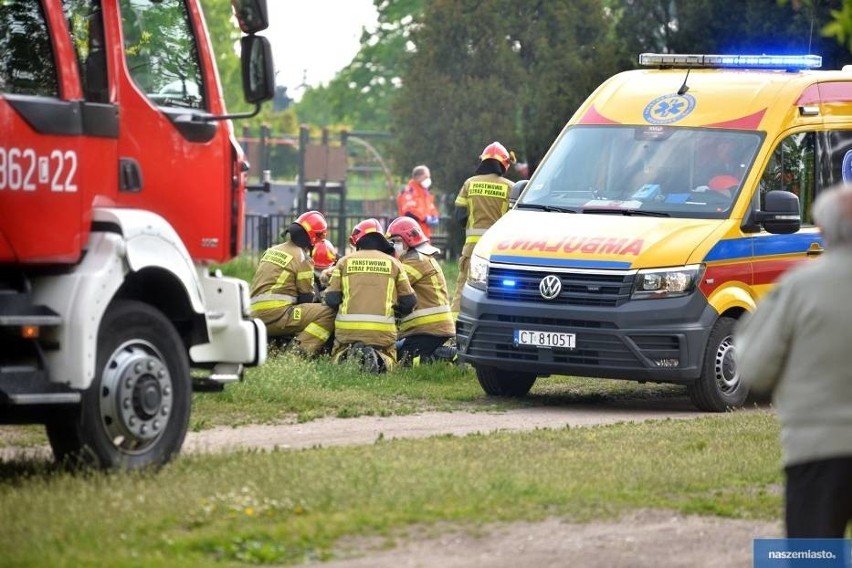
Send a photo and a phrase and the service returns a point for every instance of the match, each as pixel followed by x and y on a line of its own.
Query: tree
pixel 225 35
pixel 748 26
pixel 498 70
pixel 360 94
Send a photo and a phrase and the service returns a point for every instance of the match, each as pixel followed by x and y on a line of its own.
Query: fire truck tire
pixel 720 387
pixel 497 382
pixel 136 412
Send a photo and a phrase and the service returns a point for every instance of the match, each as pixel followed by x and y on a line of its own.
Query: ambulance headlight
pixel 665 282
pixel 477 275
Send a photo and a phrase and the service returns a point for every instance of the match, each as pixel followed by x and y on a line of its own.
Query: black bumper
pixel 648 340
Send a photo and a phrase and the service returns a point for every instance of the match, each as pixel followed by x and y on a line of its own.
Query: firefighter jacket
pixel 368 287
pixel 418 202
pixel 284 276
pixel 431 315
pixel 486 198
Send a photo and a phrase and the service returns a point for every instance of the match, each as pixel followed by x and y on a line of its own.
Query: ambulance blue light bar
pixel 692 60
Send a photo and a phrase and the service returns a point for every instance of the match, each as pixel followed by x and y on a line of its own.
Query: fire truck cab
pixel 120 183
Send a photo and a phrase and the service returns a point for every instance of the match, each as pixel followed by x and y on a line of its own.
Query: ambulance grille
pixel 578 288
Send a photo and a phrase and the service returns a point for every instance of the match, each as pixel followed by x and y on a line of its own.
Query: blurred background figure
pixel 416 200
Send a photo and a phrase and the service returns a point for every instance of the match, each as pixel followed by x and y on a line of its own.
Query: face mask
pixel 426 183
pixel 399 249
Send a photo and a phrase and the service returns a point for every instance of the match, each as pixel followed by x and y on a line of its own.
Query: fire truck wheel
pixel 136 412
pixel 719 387
pixel 497 382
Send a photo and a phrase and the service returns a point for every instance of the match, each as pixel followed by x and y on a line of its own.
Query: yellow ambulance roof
pixel 716 98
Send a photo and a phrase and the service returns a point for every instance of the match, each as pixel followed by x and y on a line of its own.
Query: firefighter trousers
pixel 310 325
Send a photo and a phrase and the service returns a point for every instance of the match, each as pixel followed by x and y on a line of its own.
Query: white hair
pixel 833 213
pixel 420 171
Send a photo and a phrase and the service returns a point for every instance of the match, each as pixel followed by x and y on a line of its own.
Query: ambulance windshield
pixel 657 170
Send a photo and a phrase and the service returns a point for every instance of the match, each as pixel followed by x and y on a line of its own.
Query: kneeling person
pixel 368 288
pixel 427 333
pixel 282 291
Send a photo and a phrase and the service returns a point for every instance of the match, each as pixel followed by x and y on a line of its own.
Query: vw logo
pixel 549 287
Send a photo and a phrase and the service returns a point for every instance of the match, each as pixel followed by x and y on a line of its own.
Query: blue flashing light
pixel 694 60
pixel 509 283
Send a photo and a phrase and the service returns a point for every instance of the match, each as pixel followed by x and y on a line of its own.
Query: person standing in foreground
pixel 368 288
pixel 416 201
pixel 796 347
pixel 483 199
pixel 282 290
pixel 425 331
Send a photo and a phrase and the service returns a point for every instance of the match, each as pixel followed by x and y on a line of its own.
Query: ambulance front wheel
pixel 497 382
pixel 720 387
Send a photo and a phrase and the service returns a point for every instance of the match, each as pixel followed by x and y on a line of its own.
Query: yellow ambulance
pixel 671 201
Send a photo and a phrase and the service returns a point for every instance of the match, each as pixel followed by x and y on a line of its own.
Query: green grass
pixel 289 507
pixel 287 388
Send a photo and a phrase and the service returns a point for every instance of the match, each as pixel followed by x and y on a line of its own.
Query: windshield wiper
pixel 548 208
pixel 628 212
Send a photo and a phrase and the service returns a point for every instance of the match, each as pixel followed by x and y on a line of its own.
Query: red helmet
pixel 497 151
pixel 324 254
pixel 408 230
pixel 314 224
pixel 365 227
pixel 723 183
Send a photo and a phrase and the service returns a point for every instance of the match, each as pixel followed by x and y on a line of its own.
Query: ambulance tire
pixel 497 382
pixel 720 387
pixel 135 413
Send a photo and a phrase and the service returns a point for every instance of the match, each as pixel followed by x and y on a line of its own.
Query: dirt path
pixel 642 539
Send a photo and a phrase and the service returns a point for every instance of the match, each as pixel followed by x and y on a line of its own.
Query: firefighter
pixel 427 333
pixel 282 291
pixel 324 255
pixel 369 288
pixel 483 199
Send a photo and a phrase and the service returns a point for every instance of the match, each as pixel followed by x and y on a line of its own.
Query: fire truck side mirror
pixel 251 14
pixel 258 69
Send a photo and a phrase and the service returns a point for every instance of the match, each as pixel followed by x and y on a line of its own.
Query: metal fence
pixel 263 231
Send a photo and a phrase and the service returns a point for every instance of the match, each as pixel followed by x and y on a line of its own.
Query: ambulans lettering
pixel 24 169
pixel 585 245
pixel 277 257
pixel 375 266
pixel 486 189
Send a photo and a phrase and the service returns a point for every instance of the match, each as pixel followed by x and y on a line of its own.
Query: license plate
pixel 551 339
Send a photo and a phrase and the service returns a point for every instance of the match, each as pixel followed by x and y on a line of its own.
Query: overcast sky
pixel 313 39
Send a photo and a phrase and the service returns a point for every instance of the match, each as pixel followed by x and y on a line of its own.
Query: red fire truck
pixel 120 183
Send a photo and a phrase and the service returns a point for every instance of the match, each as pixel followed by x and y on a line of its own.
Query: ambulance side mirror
pixel 780 214
pixel 516 190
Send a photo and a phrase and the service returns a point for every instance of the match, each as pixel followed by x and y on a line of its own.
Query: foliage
pixel 360 93
pixel 296 507
pixel 749 26
pixel 507 71
pixel 224 36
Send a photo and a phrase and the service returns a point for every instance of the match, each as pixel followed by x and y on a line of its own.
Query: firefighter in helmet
pixel 282 291
pixel 427 333
pixel 483 199
pixel 369 288
pixel 324 256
